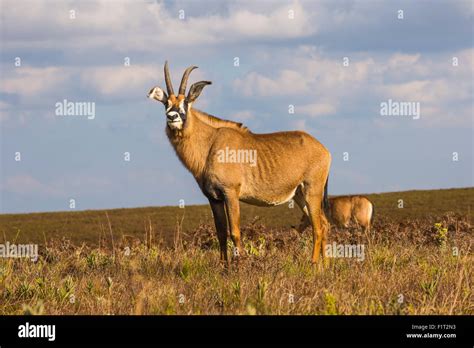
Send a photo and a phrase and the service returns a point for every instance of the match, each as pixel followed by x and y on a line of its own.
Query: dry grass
pixel 85 226
pixel 409 268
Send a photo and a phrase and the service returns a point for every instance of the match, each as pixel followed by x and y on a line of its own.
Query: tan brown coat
pixel 343 209
pixel 288 165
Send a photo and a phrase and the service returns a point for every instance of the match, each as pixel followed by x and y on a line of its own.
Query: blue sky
pixel 290 52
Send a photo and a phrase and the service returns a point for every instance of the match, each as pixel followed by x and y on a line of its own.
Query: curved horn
pixel 184 80
pixel 169 85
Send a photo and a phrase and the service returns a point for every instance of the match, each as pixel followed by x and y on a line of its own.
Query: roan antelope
pixel 358 208
pixel 287 165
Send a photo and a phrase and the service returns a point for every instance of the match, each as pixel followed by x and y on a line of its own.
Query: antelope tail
pixel 373 213
pixel 326 198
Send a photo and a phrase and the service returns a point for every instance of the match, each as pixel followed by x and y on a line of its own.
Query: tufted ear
pixel 196 90
pixel 158 94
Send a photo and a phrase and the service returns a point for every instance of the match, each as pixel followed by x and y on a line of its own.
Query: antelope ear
pixel 196 90
pixel 158 94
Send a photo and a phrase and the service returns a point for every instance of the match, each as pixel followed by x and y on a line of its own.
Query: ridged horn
pixel 184 80
pixel 169 85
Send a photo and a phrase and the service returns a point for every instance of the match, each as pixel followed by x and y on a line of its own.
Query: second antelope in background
pixel 344 208
pixel 232 164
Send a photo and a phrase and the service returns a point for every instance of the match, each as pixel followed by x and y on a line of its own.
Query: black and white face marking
pixel 176 115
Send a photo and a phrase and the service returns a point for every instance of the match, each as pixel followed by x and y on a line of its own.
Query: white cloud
pixel 441 88
pixel 300 125
pixel 311 74
pixel 444 91
pixel 25 184
pixel 85 182
pixel 243 115
pixel 316 109
pixel 4 107
pixel 400 60
pixel 288 82
pixel 38 84
pixel 271 23
pixel 30 82
pixel 427 91
pixel 117 80
pixel 125 25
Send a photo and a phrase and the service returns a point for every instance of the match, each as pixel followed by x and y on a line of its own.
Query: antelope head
pixel 177 107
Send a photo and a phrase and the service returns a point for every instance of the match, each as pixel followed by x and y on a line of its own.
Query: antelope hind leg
pixel 313 197
pixel 232 206
pixel 300 201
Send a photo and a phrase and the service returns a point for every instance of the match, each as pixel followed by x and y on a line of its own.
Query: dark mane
pixel 216 122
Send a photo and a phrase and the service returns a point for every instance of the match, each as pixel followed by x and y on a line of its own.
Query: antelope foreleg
pixel 220 220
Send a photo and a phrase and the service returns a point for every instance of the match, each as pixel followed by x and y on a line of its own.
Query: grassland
pixel 90 226
pixel 417 260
